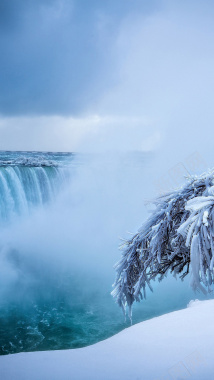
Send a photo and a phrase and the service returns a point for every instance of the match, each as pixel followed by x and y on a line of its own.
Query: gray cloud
pixel 128 77
pixel 57 56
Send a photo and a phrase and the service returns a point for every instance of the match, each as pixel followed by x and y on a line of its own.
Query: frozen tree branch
pixel 178 236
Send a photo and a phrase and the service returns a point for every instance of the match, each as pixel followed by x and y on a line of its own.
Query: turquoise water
pixel 59 323
pixel 60 226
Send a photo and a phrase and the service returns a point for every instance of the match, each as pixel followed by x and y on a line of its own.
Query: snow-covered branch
pixel 178 236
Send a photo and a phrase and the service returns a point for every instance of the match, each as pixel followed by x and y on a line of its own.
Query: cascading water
pixel 28 180
pixel 23 188
pixel 60 218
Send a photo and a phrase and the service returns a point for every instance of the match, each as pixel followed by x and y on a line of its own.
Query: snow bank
pixel 178 345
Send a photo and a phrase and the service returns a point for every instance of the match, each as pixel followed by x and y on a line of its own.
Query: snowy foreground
pixel 178 345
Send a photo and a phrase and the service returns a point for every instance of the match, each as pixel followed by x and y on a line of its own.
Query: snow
pixel 174 346
pixel 29 161
pixel 198 203
pixel 205 218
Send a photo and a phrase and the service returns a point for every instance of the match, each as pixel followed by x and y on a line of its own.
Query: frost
pixel 178 237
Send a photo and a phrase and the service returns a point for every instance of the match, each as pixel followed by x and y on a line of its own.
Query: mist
pixel 66 249
pixel 79 232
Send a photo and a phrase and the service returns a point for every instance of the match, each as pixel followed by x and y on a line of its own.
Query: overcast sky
pixel 107 75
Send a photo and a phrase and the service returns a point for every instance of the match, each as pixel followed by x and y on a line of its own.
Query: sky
pixel 108 76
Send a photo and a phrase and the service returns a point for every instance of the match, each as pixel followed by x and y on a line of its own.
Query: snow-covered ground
pixel 178 345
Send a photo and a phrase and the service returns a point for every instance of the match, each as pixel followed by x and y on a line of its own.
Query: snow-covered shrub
pixel 178 236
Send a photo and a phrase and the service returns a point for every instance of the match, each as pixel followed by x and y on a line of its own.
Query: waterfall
pixel 24 187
